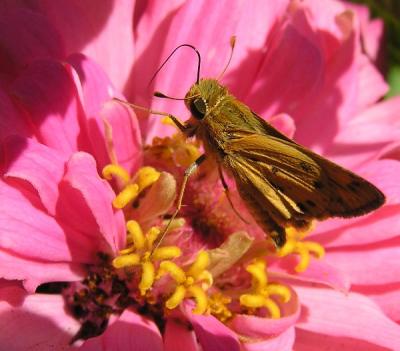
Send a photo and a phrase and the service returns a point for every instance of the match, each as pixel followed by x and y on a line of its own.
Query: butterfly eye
pixel 198 108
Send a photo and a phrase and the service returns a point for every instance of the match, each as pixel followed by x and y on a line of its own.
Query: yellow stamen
pixel 200 297
pixel 142 245
pixel 258 301
pixel 295 245
pixel 112 170
pixel 288 248
pixel 186 155
pixel 126 261
pixel 304 258
pixel 127 195
pixel 189 281
pixel 273 309
pixel 166 253
pixel 126 251
pixel 315 248
pixel 199 265
pixel 217 306
pixel 261 290
pixel 136 234
pixel 175 224
pixel 175 150
pixel 147 277
pixel 192 283
pixel 174 270
pixel 176 298
pixel 168 121
pixel 206 279
pixel 146 176
pixel 252 300
pixel 257 271
pixel 280 290
pixel 151 237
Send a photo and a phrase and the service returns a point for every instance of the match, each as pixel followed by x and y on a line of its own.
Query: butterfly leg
pixel 188 172
pixel 278 236
pixel 185 128
pixel 227 193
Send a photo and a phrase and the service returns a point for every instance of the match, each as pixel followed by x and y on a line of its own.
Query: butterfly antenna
pixel 173 52
pixel 163 96
pixel 232 44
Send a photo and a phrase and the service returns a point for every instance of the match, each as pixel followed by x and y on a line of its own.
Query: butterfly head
pixel 203 96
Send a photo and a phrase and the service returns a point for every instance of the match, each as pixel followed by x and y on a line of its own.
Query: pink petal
pixel 129 332
pixel 334 102
pixel 367 134
pixel 291 73
pixel 372 264
pixel 35 272
pixel 80 225
pixel 46 91
pixel 346 315
pixel 11 283
pixel 265 328
pixel 211 333
pixel 41 318
pixel 152 20
pixel 178 336
pixel 97 91
pixel 11 122
pixel 125 135
pixel 372 38
pixel 318 271
pixel 250 50
pixel 92 82
pixel 369 76
pixel 308 341
pixel 242 20
pixel 324 17
pixel 371 30
pixel 27 231
pixel 387 296
pixel 284 123
pixel 99 30
pixel 37 164
pixel 89 199
pixel 281 342
pixel 380 225
pixel 26 36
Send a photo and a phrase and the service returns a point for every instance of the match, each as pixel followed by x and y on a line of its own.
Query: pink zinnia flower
pixel 70 272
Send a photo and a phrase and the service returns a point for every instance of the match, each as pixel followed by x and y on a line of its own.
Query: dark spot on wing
pixel 305 166
pixel 274 170
pixel 339 200
pixel 311 203
pixel 277 187
pixel 302 207
pixel 318 184
pixel 354 186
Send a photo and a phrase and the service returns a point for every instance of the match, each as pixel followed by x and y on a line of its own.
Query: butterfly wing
pixel 285 184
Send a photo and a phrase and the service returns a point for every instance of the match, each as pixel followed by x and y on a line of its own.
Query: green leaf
pixel 393 78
